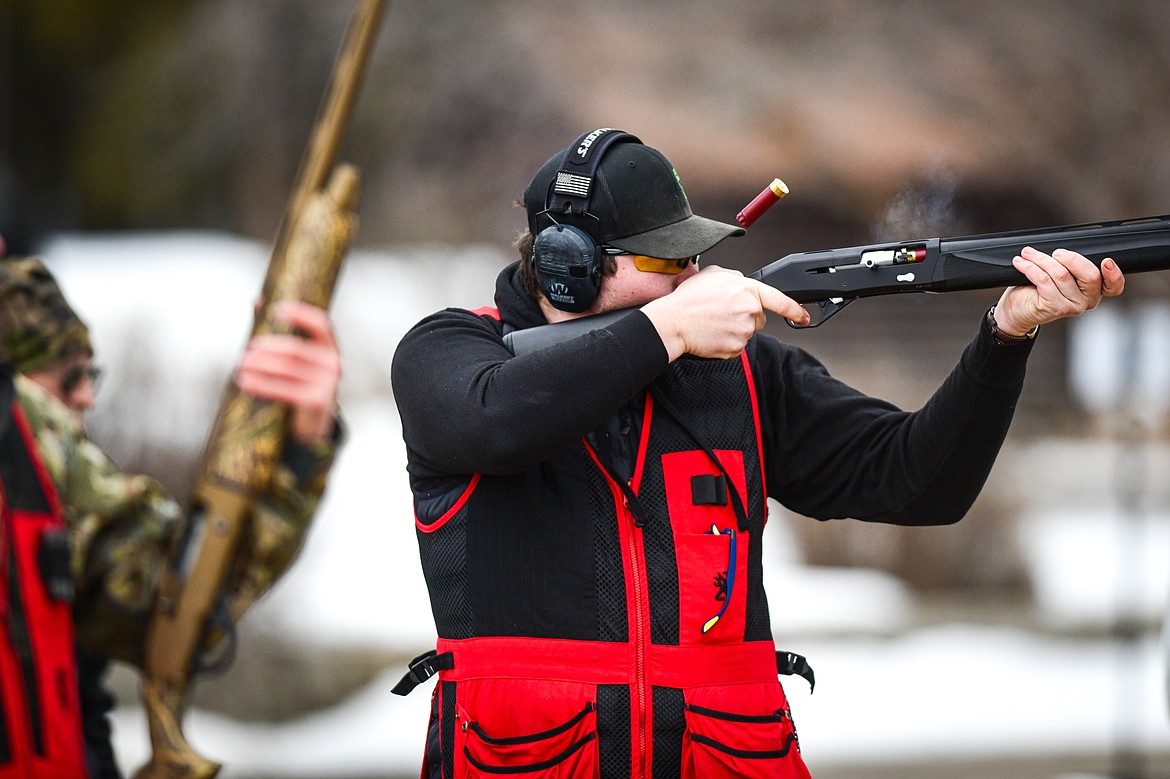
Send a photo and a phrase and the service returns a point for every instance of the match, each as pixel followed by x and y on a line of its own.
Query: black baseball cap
pixel 637 204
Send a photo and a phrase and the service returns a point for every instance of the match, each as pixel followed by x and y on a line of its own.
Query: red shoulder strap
pixel 489 311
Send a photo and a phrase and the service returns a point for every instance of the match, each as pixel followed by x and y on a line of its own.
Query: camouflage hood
pixel 37 326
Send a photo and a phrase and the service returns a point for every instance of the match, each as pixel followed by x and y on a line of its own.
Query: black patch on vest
pixel 709 490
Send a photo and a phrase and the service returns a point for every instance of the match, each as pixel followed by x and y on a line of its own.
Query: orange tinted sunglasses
pixel 656 265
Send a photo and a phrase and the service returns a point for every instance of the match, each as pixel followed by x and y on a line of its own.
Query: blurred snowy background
pixel 147 149
pixel 1042 686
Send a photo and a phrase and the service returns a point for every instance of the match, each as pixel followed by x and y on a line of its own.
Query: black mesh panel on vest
pixel 757 627
pixel 613 730
pixel 661 563
pixel 669 723
pixel 444 561
pixel 612 620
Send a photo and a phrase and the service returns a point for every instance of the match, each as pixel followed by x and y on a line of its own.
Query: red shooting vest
pixel 40 709
pixel 576 610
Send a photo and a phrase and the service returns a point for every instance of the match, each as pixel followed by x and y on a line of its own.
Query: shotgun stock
pixel 248 435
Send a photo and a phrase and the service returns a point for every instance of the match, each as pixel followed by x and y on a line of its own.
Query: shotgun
pixel 826 281
pixel 248 435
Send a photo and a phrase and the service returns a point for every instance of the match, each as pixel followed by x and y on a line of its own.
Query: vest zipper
pixel 639 637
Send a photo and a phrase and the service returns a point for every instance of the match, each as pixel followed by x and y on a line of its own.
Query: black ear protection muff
pixel 568 266
pixel 567 254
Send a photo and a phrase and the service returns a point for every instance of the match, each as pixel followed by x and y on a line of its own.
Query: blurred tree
pixel 193 113
pixel 53 57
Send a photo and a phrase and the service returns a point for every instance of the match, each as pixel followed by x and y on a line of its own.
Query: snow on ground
pixel 888 692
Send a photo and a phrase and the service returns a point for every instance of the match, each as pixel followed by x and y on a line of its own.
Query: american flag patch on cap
pixel 572 184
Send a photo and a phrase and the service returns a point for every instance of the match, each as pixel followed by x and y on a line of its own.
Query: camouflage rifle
pixel 247 438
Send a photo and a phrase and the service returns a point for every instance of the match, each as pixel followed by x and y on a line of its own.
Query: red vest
pixel 601 625
pixel 40 731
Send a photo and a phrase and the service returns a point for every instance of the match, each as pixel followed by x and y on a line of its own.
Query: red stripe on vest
pixel 49 625
pixel 607 662
pixel 438 523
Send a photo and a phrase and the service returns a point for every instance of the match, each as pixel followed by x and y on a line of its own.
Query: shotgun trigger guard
pixel 821 311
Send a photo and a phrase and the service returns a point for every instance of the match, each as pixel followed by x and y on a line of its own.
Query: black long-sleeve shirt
pixel 830 451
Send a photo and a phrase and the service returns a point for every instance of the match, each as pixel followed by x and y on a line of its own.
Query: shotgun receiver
pixel 248 436
pixel 825 281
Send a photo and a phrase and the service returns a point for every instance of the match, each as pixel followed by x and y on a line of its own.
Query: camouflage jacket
pixel 121 527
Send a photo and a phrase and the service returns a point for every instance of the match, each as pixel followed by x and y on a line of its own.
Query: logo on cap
pixel 587 141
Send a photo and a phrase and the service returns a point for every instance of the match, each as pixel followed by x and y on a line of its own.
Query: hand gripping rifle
pixel 247 438
pixel 825 281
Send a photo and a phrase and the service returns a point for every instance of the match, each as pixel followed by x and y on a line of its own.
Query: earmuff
pixel 567 253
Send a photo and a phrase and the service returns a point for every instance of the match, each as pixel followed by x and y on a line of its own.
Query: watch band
pixel 1008 338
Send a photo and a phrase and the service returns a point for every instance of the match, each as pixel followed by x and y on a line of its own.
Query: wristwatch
pixel 1008 338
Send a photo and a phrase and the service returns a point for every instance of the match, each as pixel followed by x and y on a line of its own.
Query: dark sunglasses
pixel 73 378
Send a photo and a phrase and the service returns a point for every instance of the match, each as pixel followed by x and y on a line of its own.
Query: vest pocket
pixel 732 735
pixel 712 579
pixel 711 552
pixel 502 730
